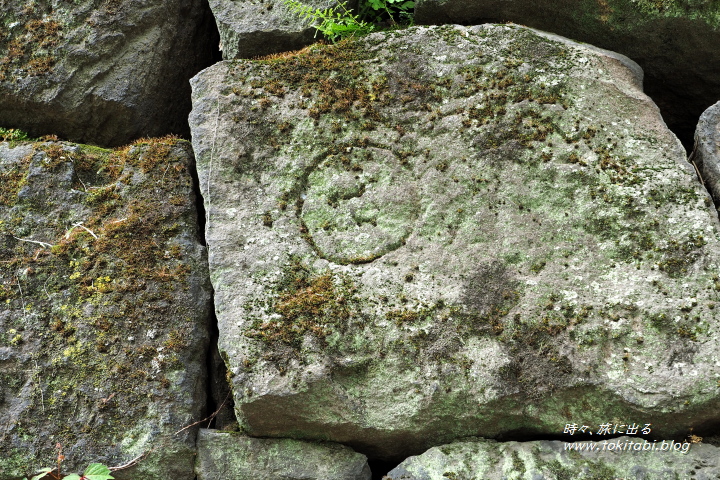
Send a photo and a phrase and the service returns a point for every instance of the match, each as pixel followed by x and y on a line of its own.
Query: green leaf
pixel 42 473
pixel 72 476
pixel 335 22
pixel 97 471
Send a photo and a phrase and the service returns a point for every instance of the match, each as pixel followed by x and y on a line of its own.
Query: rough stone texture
pixel 674 41
pixel 231 456
pixel 449 231
pixel 104 72
pixel 545 460
pixel 104 304
pixel 250 28
pixel 706 154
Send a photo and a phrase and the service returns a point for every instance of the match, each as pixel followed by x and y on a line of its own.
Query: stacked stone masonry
pixel 430 250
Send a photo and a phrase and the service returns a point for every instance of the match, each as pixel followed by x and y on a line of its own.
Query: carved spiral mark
pixel 356 204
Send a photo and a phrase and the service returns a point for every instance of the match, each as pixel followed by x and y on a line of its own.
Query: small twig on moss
pixel 139 458
pixel 43 244
pixel 209 418
pixel 162 179
pixel 22 297
pixel 691 159
pixel 81 226
pixel 132 462
pixel 39 387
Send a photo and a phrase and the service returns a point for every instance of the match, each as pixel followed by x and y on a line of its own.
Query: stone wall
pixel 426 252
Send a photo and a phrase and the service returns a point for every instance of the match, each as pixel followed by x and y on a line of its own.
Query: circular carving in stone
pixel 359 205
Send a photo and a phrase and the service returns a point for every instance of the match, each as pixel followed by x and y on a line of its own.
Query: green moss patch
pixel 101 302
pixel 464 206
pixel 318 304
pixel 29 44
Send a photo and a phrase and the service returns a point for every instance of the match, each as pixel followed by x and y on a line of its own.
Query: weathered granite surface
pixel 104 72
pixel 104 305
pixel 441 232
pixel 552 460
pixel 231 456
pixel 706 154
pixel 674 41
pixel 250 28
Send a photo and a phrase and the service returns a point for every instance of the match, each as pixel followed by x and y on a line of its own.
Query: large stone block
pixel 104 308
pixel 251 28
pixel 440 232
pixel 236 457
pixel 104 72
pixel 674 41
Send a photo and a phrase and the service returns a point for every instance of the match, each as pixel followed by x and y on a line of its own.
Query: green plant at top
pixel 12 135
pixel 336 23
pixel 394 11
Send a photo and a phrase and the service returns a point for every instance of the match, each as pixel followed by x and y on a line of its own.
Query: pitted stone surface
pixel 231 456
pixel 707 150
pixel 356 215
pixel 621 457
pixel 104 309
pixel 251 28
pixel 674 41
pixel 104 72
pixel 448 231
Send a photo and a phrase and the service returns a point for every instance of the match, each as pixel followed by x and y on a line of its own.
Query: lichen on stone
pixel 103 302
pixel 499 201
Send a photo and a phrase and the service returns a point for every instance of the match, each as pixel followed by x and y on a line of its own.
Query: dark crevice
pixel 686 134
pixel 218 392
pixel 380 468
pixel 207 35
pixel 708 431
pixel 681 115
pixel 199 207
pixel 215 54
pixel 211 402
